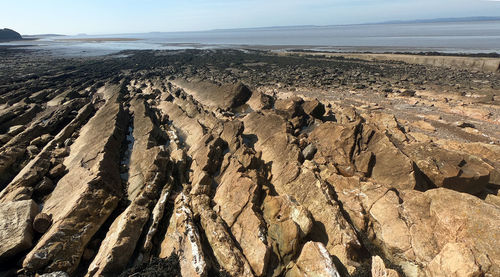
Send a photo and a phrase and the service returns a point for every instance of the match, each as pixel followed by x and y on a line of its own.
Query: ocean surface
pixel 446 37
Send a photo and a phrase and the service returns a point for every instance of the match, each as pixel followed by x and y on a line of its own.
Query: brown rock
pixel 449 169
pixel 236 199
pixel 412 227
pixel 289 178
pixel 227 254
pixel 85 196
pixel 224 96
pixel 147 163
pixel 345 145
pixel 42 222
pixel 455 259
pixel 16 233
pixel 379 269
pixel 119 244
pixel 290 107
pixel 57 171
pixel 314 108
pixel 314 260
pixel 288 223
pixel 45 186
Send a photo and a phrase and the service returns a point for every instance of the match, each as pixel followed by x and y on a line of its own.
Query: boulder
pixel 224 96
pixel 290 107
pixel 314 108
pixel 16 231
pixel 57 171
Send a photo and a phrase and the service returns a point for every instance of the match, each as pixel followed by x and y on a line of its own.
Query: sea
pixel 466 37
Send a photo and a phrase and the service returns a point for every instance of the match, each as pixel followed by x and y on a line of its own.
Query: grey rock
pixel 16 232
pixel 309 152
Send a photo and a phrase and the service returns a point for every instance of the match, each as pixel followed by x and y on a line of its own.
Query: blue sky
pixel 127 16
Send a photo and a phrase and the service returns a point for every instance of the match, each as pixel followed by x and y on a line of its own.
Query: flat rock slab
pixel 16 232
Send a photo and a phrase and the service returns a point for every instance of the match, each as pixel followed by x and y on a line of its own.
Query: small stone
pixel 88 254
pixel 309 152
pixel 37 141
pixel 45 186
pixel 462 124
pixel 407 92
pixel 42 222
pixel 45 138
pixel 57 171
pixel 32 150
pixel 60 152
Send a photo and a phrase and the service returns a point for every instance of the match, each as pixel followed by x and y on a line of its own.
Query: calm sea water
pixel 449 37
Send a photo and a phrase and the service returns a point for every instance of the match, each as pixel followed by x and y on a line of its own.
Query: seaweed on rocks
pixel 156 268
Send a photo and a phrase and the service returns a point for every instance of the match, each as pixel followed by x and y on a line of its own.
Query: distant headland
pixel 8 34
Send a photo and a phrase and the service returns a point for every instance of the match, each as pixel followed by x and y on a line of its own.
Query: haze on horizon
pixel 136 16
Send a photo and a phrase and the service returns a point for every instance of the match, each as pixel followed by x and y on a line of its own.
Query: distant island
pixel 437 20
pixel 8 34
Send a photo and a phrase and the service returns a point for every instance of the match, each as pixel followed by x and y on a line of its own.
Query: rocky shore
pixel 246 163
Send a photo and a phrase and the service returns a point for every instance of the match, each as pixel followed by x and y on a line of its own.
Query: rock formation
pixel 203 177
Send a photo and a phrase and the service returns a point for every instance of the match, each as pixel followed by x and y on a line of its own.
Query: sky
pixel 72 17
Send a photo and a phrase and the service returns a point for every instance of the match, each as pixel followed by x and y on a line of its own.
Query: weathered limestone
pixel 236 199
pixel 16 231
pixel 288 224
pixel 455 259
pixel 223 96
pixel 85 197
pixel 119 244
pixel 147 161
pixel 379 269
pixel 412 227
pixel 183 239
pixel 289 178
pixel 34 171
pixel 189 128
pixel 350 148
pixel 227 254
pixel 12 153
pixel 314 260
pixel 450 169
